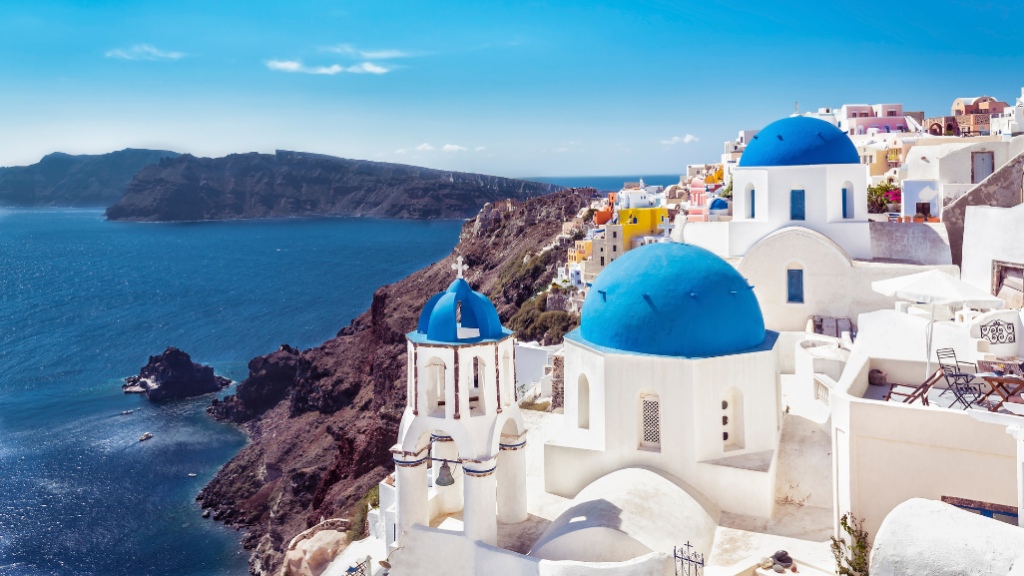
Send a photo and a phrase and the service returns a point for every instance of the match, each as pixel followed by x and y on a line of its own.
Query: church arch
pixel 506 380
pixel 649 420
pixel 583 402
pixel 733 437
pixel 478 391
pixel 435 384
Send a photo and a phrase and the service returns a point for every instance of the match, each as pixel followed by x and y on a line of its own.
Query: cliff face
pixel 322 420
pixel 289 184
pixel 65 180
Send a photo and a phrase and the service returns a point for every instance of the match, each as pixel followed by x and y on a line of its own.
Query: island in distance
pixel 65 180
pixel 298 184
pixel 173 375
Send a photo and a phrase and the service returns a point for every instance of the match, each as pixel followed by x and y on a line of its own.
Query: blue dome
pixel 719 204
pixel 438 319
pixel 672 299
pixel 799 141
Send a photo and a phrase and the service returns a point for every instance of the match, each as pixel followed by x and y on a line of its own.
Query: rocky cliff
pixel 321 420
pixel 174 375
pixel 64 180
pixel 289 184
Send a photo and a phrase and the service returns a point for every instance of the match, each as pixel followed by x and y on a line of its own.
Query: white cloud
pixel 424 146
pixel 369 54
pixel 453 148
pixel 400 151
pixel 479 148
pixel 676 139
pixel 143 52
pixel 560 150
pixel 296 66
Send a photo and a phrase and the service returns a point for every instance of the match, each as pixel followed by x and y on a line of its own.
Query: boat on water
pixel 146 436
pixel 191 475
pixel 126 412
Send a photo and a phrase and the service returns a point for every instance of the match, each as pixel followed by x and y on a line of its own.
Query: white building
pixel 461 422
pixel 1010 122
pixel 796 172
pixel 733 152
pixel 671 370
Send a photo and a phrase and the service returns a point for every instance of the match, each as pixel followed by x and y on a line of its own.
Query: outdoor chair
pixel 914 392
pixel 958 381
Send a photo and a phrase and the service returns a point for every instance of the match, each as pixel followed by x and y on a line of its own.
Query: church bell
pixel 444 476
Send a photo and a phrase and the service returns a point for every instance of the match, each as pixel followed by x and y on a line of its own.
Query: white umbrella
pixel 938 289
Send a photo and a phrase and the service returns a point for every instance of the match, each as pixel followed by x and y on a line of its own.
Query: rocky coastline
pixel 173 375
pixel 298 184
pixel 321 421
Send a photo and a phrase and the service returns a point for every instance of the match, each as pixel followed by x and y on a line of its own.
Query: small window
pixel 602 258
pixel 795 286
pixel 651 421
pixel 615 248
pixel 615 234
pixel 845 211
pixel 796 205
pixel 753 205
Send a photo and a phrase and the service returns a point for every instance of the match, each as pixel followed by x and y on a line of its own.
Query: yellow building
pixel 583 250
pixel 876 156
pixel 716 175
pixel 641 222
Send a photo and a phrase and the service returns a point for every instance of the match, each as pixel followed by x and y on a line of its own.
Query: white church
pixel 672 417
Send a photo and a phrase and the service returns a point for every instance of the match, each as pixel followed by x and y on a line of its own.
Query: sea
pixel 608 183
pixel 85 302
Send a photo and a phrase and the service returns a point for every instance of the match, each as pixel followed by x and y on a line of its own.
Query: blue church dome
pixel 675 300
pixel 438 320
pixel 719 204
pixel 799 141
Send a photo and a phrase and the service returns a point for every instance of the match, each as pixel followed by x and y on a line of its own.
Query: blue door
pixel 795 280
pixel 796 205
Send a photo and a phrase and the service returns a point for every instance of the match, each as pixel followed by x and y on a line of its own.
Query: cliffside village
pixel 803 358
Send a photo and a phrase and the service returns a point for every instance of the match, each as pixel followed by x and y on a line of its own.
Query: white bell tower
pixel 461 441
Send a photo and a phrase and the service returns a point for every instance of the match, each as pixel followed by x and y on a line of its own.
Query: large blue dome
pixel 799 141
pixel 672 299
pixel 439 319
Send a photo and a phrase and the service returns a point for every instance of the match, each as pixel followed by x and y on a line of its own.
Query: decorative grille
pixel 652 424
pixel 998 332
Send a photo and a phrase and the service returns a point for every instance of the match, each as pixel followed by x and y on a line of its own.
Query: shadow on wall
pixel 1004 188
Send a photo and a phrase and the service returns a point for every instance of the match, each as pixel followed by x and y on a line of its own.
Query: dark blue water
pixel 84 302
pixel 607 183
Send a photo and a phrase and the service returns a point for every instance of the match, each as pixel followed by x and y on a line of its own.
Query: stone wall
pixel 1003 188
pixel 558 381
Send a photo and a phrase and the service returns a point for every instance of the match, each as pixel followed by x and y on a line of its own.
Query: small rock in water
pixel 206 513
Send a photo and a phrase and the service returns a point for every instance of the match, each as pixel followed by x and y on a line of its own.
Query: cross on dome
pixel 667 228
pixel 459 267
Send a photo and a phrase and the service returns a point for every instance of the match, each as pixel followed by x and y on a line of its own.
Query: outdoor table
pixel 1004 377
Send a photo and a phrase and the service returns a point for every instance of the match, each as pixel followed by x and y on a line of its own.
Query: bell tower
pixel 461 440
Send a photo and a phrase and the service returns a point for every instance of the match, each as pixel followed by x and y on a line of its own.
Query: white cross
pixel 459 267
pixel 667 228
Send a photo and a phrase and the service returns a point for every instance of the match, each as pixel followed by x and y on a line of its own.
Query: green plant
pixel 727 192
pixel 853 554
pixel 588 216
pixel 357 529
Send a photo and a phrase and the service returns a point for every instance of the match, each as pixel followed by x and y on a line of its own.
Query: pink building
pixel 859 118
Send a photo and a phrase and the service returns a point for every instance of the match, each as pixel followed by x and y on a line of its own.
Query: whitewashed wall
pixel 991 234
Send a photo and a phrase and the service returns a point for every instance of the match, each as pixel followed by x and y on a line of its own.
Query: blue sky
pixel 515 89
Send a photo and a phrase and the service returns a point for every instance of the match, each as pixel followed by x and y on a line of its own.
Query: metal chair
pixel 957 380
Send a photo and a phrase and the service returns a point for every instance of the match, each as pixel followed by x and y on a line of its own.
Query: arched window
pixel 860 129
pixel 583 402
pixel 477 402
pixel 732 420
pixel 435 383
pixel 848 207
pixel 650 421
pixel 506 380
pixel 795 283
